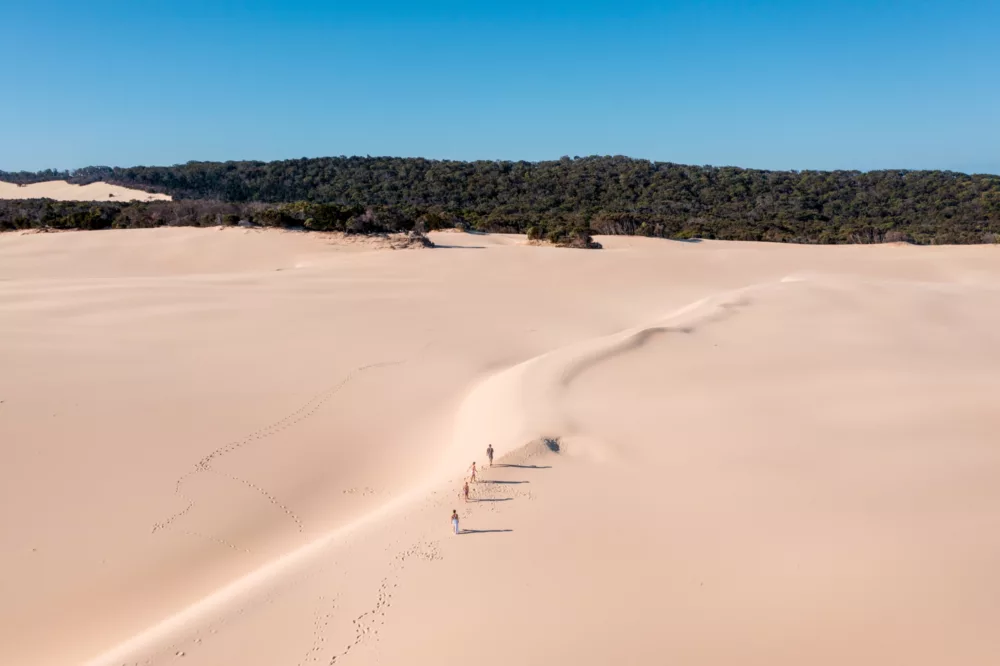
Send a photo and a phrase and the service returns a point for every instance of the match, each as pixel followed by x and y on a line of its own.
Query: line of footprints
pixel 204 465
pixel 367 624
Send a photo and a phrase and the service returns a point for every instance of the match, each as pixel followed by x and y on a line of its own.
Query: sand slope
pixel 60 190
pixel 239 447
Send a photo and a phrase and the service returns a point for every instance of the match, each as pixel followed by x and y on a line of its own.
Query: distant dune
pixel 60 190
pixel 240 446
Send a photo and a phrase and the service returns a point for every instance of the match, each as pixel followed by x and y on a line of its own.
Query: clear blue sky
pixel 780 84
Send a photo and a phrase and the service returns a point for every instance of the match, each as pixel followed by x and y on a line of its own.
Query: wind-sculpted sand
pixel 232 447
pixel 60 190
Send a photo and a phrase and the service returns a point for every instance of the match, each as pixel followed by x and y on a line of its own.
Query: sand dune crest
pixel 60 190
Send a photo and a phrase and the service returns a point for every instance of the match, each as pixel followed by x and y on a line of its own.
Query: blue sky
pixel 778 85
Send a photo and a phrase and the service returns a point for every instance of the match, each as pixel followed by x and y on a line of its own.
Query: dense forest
pixel 567 198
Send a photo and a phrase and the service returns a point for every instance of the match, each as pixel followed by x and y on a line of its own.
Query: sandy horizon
pixel 231 446
pixel 61 190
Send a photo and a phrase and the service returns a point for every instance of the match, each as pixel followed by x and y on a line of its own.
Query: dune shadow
pixel 492 499
pixel 503 482
pixel 459 247
pixel 461 532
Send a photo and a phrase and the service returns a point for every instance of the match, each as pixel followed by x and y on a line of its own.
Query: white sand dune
pixel 244 447
pixel 60 190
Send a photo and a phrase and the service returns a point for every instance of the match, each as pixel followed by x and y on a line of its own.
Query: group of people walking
pixel 465 486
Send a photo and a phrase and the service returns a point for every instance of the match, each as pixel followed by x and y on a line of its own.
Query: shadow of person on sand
pixel 523 466
pixel 503 482
pixel 461 532
pixel 492 499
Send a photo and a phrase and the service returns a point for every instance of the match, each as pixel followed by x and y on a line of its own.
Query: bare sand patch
pixel 60 190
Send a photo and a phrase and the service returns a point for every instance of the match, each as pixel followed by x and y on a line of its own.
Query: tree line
pixel 571 197
pixel 23 214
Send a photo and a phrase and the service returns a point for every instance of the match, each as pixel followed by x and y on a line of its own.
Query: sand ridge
pixel 60 190
pixel 789 447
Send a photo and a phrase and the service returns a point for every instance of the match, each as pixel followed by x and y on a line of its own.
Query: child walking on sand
pixel 472 476
pixel 465 491
pixel 454 520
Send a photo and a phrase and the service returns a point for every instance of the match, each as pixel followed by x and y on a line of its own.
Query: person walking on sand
pixel 454 520
pixel 489 454
pixel 465 491
pixel 472 470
